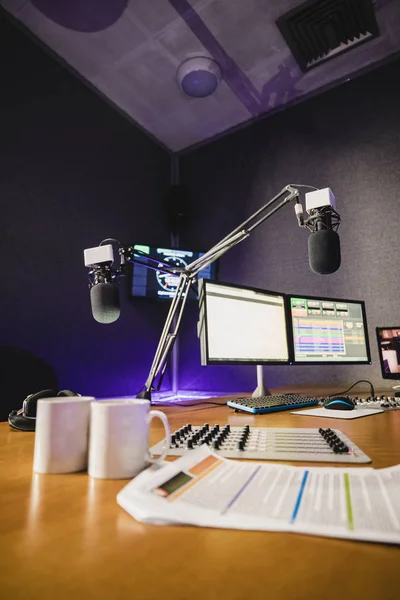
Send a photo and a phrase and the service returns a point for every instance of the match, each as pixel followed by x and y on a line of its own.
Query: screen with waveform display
pixel 328 330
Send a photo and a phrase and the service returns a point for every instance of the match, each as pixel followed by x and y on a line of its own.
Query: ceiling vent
pixel 319 30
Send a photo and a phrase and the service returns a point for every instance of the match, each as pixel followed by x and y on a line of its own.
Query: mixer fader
pixel 265 443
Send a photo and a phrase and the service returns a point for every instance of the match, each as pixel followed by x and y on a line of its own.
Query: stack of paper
pixel 206 490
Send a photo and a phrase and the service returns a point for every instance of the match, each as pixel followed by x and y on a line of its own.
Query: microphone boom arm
pixel 186 278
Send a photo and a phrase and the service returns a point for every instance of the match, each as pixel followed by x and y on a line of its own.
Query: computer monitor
pixel 241 325
pixel 328 331
pixel 389 351
pixel 145 282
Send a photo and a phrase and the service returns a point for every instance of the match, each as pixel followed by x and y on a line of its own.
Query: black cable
pixel 354 384
pixel 109 240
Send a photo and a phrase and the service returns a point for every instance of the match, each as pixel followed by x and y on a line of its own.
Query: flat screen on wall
pixel 148 279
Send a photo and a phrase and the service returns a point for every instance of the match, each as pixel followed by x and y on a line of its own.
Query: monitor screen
pixel 328 331
pixel 151 282
pixel 389 351
pixel 241 325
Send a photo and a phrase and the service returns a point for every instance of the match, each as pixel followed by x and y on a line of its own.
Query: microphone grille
pixel 104 298
pixel 324 251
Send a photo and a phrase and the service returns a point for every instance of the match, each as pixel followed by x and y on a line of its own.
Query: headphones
pixel 24 419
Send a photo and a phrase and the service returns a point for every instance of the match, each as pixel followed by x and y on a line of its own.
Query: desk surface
pixel 64 536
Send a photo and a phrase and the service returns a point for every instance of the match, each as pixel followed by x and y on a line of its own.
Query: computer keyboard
pixel 266 404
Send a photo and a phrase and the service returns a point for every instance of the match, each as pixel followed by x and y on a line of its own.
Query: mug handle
pixel 153 414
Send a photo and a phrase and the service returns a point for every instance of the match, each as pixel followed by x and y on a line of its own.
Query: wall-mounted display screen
pixel 148 279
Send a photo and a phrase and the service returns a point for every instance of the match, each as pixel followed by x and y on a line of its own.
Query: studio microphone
pixel 323 221
pixel 324 251
pixel 104 292
pixel 104 300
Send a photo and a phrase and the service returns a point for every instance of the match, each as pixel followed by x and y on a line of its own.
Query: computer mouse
pixel 339 403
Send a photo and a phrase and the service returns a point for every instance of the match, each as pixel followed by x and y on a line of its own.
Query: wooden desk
pixel 65 537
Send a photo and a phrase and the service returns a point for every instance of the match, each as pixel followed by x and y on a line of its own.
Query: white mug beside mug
pixel 62 434
pixel 119 438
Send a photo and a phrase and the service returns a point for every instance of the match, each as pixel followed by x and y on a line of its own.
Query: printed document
pixel 207 490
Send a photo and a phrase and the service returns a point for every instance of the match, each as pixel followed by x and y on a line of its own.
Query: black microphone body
pixel 104 299
pixel 324 251
pixel 324 243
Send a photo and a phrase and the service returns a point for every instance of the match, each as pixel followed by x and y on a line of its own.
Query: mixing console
pixel 261 443
pixel 383 402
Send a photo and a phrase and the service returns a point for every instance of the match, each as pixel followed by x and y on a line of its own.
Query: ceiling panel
pixel 133 58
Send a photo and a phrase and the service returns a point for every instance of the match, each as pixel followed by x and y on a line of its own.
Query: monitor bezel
pixel 213 362
pixel 392 376
pixel 368 360
pixel 130 266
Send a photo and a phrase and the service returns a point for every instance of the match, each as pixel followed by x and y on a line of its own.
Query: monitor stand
pixel 396 387
pixel 260 390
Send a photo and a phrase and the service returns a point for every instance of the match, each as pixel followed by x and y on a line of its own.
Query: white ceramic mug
pixel 62 434
pixel 119 438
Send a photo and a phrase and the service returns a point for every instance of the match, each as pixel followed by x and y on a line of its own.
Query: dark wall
pixel 347 139
pixel 72 172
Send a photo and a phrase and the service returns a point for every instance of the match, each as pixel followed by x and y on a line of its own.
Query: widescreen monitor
pixel 241 325
pixel 389 351
pixel 328 331
pixel 152 282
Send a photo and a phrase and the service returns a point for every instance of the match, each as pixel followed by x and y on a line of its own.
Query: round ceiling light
pixel 199 77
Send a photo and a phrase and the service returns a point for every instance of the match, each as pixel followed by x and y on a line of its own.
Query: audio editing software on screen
pixel 329 330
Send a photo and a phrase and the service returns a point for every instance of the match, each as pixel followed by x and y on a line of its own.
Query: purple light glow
pixel 86 16
pixel 184 395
